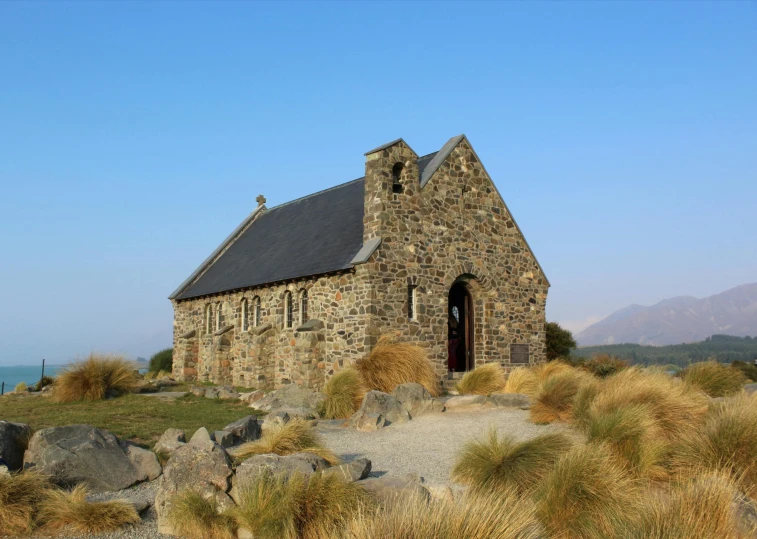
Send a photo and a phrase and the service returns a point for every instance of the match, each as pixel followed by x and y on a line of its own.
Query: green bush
pixel 44 382
pixel 560 341
pixel 749 370
pixel 604 365
pixel 162 361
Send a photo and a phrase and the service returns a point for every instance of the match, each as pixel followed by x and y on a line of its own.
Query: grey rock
pixel 366 422
pixel 253 396
pixel 465 403
pixel 750 388
pixel 279 417
pixel 244 430
pixel 170 441
pixel 201 435
pixel 387 488
pixel 376 402
pixel 291 396
pixel 211 393
pixel 510 400
pixel 145 462
pixel 223 438
pixel 252 468
pixel 417 400
pixel 203 466
pixel 228 393
pixel 351 471
pixel 81 454
pixel 244 533
pixel 13 440
pixel 198 391
pixel 4 471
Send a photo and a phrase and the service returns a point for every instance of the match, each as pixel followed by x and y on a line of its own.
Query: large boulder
pixel 388 487
pixel 85 454
pixel 270 463
pixel 170 441
pixel 366 422
pixel 244 430
pixel 290 397
pixel 202 466
pixel 13 440
pixel 351 471
pixel 145 462
pixel 417 400
pixel 385 405
pixel 467 403
pixel 510 400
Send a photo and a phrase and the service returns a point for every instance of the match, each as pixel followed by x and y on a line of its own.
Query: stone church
pixel 422 246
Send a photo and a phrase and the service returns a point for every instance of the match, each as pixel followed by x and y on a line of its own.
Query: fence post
pixel 2 389
pixel 43 373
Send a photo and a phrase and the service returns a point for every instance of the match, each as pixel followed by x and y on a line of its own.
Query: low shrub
pixel 505 515
pixel 588 495
pixel 344 393
pixel 748 369
pixel 726 442
pixel 497 464
pixel 70 511
pixel 284 439
pixel 393 363
pixel 194 517
pixel 604 365
pixel 713 378
pixel 20 387
pixel 20 495
pixel 522 380
pixel 483 380
pixel 149 375
pixel 161 361
pixel 44 382
pixel 298 506
pixel 554 398
pixel 92 378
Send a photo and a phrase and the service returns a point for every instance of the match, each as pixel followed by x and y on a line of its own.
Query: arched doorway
pixel 460 329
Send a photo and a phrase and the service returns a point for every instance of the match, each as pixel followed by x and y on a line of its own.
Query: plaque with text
pixel 518 353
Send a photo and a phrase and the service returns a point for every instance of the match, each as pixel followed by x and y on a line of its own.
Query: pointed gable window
pixel 256 312
pixel 396 178
pixel 208 318
pixel 245 315
pixel 219 315
pixel 288 309
pixel 303 306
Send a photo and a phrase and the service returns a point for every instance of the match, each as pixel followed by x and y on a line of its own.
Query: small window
pixel 411 307
pixel 219 316
pixel 396 178
pixel 303 306
pixel 288 311
pixel 208 318
pixel 256 312
pixel 245 315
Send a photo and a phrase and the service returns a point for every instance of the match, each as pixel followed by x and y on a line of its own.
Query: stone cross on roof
pixel 260 200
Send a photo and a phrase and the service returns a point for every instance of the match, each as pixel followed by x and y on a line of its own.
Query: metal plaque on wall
pixel 518 353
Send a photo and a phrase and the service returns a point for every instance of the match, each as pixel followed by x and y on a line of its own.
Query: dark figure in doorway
pixel 453 337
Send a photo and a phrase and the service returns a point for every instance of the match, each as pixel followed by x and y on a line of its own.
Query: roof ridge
pixel 314 194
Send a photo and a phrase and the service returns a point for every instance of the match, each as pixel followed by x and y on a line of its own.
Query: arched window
pixel 303 306
pixel 245 315
pixel 288 309
pixel 208 318
pixel 396 175
pixel 219 315
pixel 256 315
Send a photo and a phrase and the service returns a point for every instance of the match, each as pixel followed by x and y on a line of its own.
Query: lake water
pixel 29 374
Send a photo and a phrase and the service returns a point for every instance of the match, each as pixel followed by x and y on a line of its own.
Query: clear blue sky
pixel 135 136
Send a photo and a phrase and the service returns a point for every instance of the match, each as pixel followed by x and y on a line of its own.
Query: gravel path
pixel 429 444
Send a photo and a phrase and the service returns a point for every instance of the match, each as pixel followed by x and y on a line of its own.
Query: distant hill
pixel 723 348
pixel 682 319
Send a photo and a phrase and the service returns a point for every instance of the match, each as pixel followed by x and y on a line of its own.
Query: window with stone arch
pixel 303 306
pixel 219 315
pixel 288 309
pixel 208 318
pixel 397 178
pixel 256 313
pixel 245 315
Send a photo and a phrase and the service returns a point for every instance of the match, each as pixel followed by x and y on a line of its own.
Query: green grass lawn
pixel 132 417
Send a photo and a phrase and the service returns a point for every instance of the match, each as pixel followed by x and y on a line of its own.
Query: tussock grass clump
pixel 393 363
pixel 522 380
pixel 582 402
pixel 90 379
pixel 20 387
pixel 149 375
pixel 194 517
pixel 726 442
pixel 298 506
pixel 633 436
pixel 554 399
pixel 504 516
pixel 70 511
pixel 546 370
pixel 713 378
pixel 587 494
pixel 20 495
pixel 284 439
pixel 604 365
pixel 483 380
pixel 344 393
pixel 703 508
pixel 497 464
pixel 749 370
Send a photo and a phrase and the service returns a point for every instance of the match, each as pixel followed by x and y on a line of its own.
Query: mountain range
pixel 678 320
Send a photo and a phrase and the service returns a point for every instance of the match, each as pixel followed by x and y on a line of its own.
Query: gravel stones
pixel 510 400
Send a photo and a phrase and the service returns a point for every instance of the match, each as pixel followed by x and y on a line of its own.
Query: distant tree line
pixel 723 348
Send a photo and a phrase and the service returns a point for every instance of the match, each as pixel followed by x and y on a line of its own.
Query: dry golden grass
pixel 604 365
pixel 551 368
pixel 499 464
pixel 393 363
pixel 71 512
pixel 194 517
pixel 727 442
pixel 149 375
pixel 298 507
pixel 588 495
pixel 90 379
pixel 713 378
pixel 504 516
pixel 522 380
pixel 583 400
pixel 702 507
pixel 284 439
pixel 20 387
pixel 483 380
pixel 554 398
pixel 20 495
pixel 344 393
